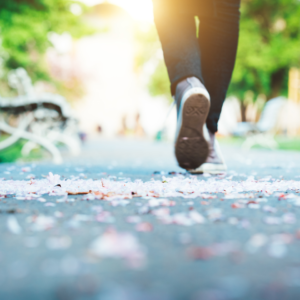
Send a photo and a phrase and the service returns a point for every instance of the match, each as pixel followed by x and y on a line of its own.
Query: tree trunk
pixel 243 111
pixel 277 79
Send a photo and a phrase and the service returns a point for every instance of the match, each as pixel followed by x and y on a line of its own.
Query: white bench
pixel 262 133
pixel 44 120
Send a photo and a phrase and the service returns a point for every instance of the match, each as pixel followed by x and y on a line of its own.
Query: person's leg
pixel 177 33
pixel 213 66
pixel 218 39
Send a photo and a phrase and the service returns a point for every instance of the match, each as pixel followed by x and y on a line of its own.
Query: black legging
pixel 210 57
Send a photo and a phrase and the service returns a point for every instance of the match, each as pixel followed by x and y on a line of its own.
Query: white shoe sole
pixel 212 168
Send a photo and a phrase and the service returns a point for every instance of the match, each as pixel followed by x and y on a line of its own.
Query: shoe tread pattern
pixel 191 148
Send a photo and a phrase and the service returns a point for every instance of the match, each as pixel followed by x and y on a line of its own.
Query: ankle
pixel 188 81
pixel 212 136
pixel 184 85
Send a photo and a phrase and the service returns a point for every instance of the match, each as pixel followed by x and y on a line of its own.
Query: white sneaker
pixel 192 137
pixel 214 163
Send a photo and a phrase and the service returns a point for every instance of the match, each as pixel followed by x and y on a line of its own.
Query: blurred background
pixel 105 59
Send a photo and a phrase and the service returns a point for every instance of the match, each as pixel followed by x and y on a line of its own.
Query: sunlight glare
pixel 140 10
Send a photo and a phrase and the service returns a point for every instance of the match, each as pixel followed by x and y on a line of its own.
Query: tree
pixel 269 45
pixel 24 29
pixel 149 56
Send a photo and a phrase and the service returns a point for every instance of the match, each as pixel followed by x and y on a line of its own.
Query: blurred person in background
pixel 200 61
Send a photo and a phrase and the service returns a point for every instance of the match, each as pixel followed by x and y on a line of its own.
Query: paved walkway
pixel 242 245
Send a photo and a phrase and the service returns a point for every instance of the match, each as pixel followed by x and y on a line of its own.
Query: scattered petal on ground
pixel 119 245
pixel 13 225
pixel 145 226
pixel 180 186
pixel 41 222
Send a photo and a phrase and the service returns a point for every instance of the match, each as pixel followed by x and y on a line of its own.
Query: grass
pixel 231 140
pixel 284 143
pixel 288 143
pixel 13 153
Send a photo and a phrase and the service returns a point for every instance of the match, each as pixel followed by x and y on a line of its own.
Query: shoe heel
pixel 191 147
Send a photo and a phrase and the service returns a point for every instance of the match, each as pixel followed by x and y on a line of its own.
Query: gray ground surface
pixel 31 269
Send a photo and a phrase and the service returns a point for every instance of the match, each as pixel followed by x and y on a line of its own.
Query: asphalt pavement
pixel 248 247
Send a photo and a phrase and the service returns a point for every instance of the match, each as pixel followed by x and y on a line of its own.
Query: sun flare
pixel 141 10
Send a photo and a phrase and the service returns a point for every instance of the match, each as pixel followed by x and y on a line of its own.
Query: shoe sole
pixel 210 168
pixel 192 148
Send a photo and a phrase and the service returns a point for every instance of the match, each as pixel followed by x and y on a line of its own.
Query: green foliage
pixel 147 45
pixel 148 51
pixel 159 81
pixel 284 142
pixel 24 29
pixel 13 153
pixel 269 45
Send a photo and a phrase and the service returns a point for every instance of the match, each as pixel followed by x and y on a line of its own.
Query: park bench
pixel 43 120
pixel 262 133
